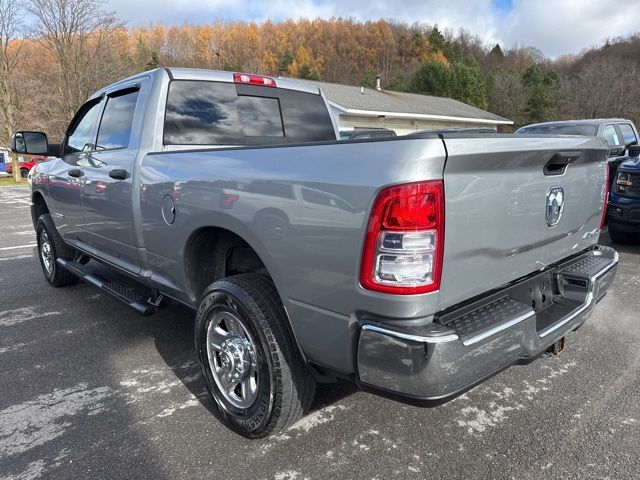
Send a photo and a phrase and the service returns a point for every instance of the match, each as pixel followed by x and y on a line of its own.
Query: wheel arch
pixel 206 259
pixel 38 206
pixel 212 252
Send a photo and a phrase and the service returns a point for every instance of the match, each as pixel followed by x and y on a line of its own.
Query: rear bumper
pixel 624 214
pixel 472 342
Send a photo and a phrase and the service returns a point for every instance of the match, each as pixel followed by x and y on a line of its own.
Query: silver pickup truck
pixel 415 267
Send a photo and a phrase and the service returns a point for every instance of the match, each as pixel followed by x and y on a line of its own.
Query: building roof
pixel 367 101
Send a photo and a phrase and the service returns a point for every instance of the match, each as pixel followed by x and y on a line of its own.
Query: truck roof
pixel 201 74
pixel 585 121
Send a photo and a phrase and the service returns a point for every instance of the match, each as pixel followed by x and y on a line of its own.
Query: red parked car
pixel 26 165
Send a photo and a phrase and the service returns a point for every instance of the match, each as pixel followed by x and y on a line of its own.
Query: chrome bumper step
pixel 440 359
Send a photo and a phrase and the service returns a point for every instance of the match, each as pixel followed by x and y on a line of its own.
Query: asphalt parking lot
pixel 90 389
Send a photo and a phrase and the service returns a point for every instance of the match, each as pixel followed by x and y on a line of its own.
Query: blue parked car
pixel 4 159
pixel 624 200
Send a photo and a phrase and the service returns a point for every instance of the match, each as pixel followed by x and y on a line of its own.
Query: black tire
pixel 24 173
pixel 285 387
pixel 54 273
pixel 618 236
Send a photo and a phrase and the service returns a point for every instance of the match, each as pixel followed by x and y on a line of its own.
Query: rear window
pixel 583 130
pixel 217 113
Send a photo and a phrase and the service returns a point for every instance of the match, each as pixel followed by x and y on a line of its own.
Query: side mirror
pixel 31 143
pixel 616 151
pixel 634 150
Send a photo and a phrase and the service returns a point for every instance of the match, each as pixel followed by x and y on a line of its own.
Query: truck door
pixel 107 182
pixel 65 174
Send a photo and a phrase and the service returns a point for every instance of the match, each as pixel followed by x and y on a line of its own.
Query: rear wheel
pixel 24 173
pixel 50 248
pixel 250 362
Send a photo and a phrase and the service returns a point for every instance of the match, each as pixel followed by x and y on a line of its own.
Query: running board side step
pixel 117 290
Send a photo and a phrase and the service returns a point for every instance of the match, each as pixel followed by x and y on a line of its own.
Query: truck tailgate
pixel 496 193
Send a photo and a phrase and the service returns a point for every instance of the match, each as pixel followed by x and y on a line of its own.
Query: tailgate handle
pixel 559 162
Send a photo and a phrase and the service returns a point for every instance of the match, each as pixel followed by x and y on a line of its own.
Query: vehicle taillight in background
pixel 228 199
pixel 404 243
pixel 607 182
pixel 254 79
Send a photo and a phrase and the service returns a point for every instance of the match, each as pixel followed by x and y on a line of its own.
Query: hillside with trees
pixel 74 47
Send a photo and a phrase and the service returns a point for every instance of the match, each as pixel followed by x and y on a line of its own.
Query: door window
pixel 628 134
pixel 315 196
pixel 609 133
pixel 82 135
pixel 117 120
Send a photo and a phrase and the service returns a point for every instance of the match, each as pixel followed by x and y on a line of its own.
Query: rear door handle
pixel 118 174
pixel 75 172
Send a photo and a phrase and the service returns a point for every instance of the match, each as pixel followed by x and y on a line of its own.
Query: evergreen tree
pixel 541 90
pixel 468 85
pixel 305 72
pixel 437 41
pixel 285 61
pixel 431 78
pixel 368 79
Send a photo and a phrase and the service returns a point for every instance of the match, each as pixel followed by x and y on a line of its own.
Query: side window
pixel 315 196
pixel 117 120
pixel 627 132
pixel 82 134
pixel 609 133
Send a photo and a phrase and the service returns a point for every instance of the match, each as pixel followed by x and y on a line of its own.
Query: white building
pixel 4 159
pixel 357 107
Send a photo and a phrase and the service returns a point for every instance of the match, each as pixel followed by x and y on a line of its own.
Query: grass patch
pixel 10 182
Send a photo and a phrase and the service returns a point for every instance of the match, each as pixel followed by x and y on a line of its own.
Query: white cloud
pixel 555 27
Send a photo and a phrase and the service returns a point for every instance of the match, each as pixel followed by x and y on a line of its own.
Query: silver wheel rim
pixel 233 359
pixel 46 253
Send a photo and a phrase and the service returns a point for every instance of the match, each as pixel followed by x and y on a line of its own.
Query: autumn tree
pixel 11 13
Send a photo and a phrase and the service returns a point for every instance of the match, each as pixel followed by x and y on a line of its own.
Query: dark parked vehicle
pixel 415 267
pixel 364 134
pixel 619 133
pixel 624 200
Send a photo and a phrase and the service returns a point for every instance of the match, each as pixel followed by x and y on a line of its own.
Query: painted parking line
pixel 17 247
pixel 17 257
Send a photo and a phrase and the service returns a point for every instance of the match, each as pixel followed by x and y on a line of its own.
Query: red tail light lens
pixel 404 242
pixel 607 182
pixel 254 79
pixel 228 199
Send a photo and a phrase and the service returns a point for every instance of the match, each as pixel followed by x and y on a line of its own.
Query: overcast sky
pixel 555 27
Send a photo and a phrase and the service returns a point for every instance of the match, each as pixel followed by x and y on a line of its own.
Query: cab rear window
pixel 218 113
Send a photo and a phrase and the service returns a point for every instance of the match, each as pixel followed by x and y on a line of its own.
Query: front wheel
pixel 249 359
pixel 50 248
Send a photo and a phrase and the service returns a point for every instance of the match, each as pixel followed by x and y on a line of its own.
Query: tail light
pixel 603 219
pixel 228 199
pixel 403 246
pixel 254 79
pixel 624 179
